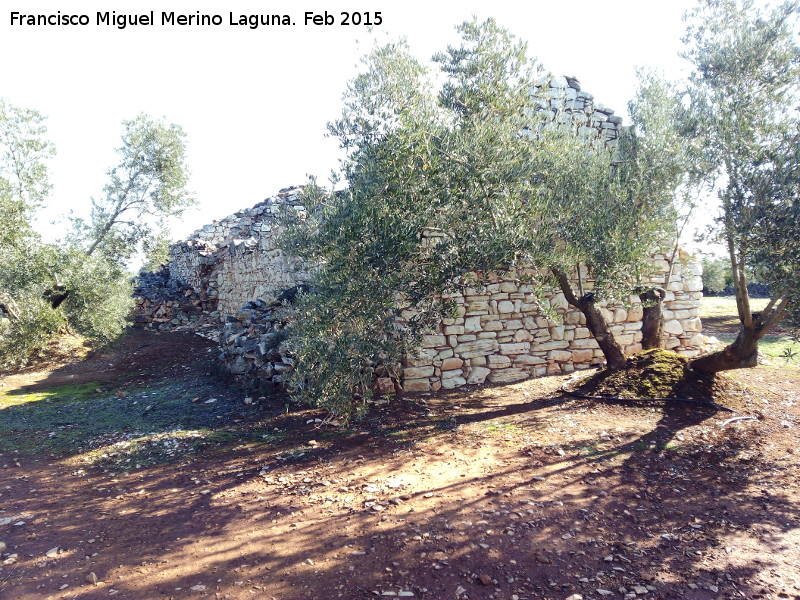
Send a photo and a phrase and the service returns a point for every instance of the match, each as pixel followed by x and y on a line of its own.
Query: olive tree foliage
pixel 23 171
pixel 24 152
pixel 463 178
pixel 612 207
pixel 144 190
pixel 45 288
pixel 744 109
pixel 80 285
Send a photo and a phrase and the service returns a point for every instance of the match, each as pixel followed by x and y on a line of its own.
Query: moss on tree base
pixel 651 374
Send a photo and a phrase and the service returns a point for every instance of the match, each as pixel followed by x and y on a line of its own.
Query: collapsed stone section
pixel 251 342
pixel 237 259
pixel 165 303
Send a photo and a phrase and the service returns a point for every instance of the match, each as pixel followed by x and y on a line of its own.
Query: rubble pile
pixel 251 344
pixel 164 303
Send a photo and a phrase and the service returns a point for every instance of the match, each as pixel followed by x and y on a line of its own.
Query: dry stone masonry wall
pixel 499 333
pixel 237 259
pixel 559 102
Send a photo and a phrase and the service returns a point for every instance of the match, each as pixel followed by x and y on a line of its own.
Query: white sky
pixel 255 103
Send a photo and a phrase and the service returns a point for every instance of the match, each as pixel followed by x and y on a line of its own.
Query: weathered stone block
pixel 512 349
pixel 416 385
pixel 505 306
pixel 524 360
pixel 498 361
pixel 478 375
pixel 417 372
pixel 673 326
pixel 453 382
pixel 554 345
pixel 559 302
pixel 508 375
pixel 452 363
pixel 476 348
pixel 472 324
pixel 693 325
pixel 450 374
pixel 584 343
pixel 523 335
pixel 432 341
pixel 582 355
pixel 493 326
pixel 559 355
pixel 454 330
pixel 477 308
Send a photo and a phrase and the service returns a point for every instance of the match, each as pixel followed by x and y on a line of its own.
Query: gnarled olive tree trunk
pixel 652 317
pixel 595 321
pixel 743 352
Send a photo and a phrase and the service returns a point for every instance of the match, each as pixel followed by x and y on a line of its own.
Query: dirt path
pixel 504 492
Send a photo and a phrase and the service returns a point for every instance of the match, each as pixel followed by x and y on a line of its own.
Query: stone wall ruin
pixel 498 334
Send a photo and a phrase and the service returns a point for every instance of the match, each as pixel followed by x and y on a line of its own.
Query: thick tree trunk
pixel 652 317
pixel 595 322
pixel 741 354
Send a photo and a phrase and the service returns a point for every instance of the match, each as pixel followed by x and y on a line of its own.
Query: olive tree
pixel 743 98
pixel 145 189
pixel 24 152
pixel 450 179
pixel 81 285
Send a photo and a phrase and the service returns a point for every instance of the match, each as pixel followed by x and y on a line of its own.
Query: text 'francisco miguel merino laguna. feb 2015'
pixel 171 19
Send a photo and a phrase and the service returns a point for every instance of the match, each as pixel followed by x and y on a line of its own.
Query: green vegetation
pixel 498 182
pixel 716 274
pixel 780 349
pixel 650 374
pixel 742 101
pixel 152 423
pixel 725 307
pixel 79 284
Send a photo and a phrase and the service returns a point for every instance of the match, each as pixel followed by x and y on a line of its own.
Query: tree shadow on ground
pixel 628 510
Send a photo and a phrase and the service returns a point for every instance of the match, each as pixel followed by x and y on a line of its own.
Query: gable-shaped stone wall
pixel 237 259
pixel 499 334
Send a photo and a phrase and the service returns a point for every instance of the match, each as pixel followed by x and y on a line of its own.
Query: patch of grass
pixel 503 428
pixel 591 450
pixel 773 347
pixel 725 306
pixel 723 310
pixel 70 420
pixel 69 392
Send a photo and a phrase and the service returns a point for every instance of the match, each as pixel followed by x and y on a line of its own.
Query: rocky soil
pixel 504 492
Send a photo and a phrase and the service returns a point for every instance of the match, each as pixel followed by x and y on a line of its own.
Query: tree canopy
pixel 145 189
pixel 744 109
pixel 82 284
pixel 498 182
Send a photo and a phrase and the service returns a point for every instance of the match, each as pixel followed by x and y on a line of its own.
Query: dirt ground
pixel 505 492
